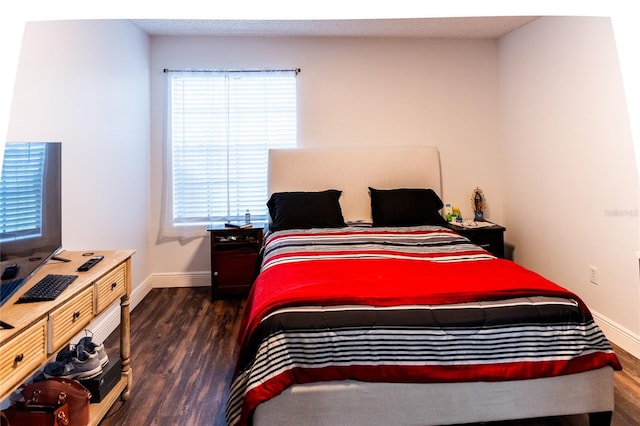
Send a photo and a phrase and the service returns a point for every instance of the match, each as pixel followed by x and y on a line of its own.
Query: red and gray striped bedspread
pixel 419 304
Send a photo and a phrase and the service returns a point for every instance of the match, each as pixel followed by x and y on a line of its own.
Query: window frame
pixel 175 225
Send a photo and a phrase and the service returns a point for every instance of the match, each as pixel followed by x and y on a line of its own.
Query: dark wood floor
pixel 182 358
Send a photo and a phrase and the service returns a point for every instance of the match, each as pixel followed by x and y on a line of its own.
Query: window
pixel 220 126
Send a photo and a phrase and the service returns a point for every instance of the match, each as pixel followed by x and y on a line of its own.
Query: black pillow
pixel 305 210
pixel 405 207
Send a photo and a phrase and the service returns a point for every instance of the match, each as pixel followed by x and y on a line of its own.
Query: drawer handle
pixel 18 358
pixel 76 315
pixel 113 286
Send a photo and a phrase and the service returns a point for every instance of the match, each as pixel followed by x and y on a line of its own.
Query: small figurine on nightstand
pixel 456 216
pixel 478 202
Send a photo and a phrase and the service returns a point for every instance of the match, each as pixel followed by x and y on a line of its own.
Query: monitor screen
pixel 30 211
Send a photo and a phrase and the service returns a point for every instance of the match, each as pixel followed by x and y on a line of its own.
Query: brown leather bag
pixel 54 390
pixel 30 414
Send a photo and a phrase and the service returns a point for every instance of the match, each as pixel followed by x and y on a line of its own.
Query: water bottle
pixel 247 216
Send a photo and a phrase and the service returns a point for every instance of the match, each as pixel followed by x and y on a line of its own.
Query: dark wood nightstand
pixel 234 258
pixel 490 238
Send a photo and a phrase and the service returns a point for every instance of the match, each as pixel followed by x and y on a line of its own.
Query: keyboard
pixel 48 288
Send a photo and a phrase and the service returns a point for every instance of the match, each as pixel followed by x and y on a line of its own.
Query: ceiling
pixel 471 27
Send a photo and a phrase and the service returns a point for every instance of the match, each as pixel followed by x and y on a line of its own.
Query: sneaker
pixel 99 350
pixel 81 365
pixel 90 347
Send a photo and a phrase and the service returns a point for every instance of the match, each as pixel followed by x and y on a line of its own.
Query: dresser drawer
pixel 21 355
pixel 69 319
pixel 110 287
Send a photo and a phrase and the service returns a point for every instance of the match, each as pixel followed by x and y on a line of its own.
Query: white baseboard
pixel 181 279
pixel 619 335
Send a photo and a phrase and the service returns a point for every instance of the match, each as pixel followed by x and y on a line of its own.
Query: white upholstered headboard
pixel 353 171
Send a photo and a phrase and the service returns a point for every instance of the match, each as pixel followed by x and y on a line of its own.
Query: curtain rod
pixel 296 70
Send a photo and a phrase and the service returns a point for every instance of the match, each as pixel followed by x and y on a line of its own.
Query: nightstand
pixel 490 238
pixel 234 260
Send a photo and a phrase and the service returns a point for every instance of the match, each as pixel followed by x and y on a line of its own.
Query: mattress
pixel 402 305
pixel 356 403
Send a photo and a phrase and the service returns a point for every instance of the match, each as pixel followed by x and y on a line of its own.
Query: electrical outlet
pixel 593 274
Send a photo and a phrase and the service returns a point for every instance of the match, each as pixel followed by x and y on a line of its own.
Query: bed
pixel 368 310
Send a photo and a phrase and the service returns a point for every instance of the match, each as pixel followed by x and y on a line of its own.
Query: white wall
pixel 86 84
pixel 355 92
pixel 537 120
pixel 571 187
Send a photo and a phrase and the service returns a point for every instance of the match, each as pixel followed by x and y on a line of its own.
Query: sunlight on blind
pixel 221 127
pixel 21 202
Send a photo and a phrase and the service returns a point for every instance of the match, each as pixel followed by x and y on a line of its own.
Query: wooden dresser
pixel 42 329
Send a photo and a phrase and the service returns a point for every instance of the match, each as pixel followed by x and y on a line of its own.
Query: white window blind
pixel 220 127
pixel 21 200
